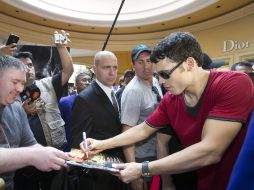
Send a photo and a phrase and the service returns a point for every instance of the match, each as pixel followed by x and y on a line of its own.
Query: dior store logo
pixel 229 45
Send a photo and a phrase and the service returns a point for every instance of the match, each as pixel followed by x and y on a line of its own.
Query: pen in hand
pixel 85 144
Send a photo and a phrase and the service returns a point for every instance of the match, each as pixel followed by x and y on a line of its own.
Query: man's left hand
pixel 129 171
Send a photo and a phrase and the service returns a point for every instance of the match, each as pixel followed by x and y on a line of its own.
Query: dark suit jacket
pixel 94 113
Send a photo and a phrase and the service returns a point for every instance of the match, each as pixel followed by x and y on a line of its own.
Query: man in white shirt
pixel 139 99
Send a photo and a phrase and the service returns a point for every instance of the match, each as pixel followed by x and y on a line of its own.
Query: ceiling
pixel 101 13
pixel 137 16
pixel 89 21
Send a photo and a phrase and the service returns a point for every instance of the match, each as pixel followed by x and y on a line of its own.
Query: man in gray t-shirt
pixel 14 128
pixel 139 100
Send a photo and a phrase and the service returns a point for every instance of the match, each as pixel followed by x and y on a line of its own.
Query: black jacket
pixel 94 114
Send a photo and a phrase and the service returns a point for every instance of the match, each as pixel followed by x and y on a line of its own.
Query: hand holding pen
pixel 93 146
pixel 85 144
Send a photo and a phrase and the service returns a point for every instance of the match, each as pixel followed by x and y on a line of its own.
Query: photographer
pixel 43 114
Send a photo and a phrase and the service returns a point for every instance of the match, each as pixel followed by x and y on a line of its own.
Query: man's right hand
pixel 29 107
pixel 94 146
pixel 48 158
pixel 8 50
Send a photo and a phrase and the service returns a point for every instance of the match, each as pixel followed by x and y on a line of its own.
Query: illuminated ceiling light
pixel 102 13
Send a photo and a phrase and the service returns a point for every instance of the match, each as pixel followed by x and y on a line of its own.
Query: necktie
pixel 114 102
pixel 156 92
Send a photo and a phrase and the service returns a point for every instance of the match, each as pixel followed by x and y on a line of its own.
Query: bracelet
pixel 145 169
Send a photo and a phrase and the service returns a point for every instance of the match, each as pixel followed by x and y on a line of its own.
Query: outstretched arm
pixel 216 137
pixel 43 158
pixel 131 136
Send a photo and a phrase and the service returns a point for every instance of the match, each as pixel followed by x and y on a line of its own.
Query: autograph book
pixel 98 161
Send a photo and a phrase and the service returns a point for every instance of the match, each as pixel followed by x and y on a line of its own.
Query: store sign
pixel 230 45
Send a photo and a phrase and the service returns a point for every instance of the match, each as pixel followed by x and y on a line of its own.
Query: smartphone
pixel 12 39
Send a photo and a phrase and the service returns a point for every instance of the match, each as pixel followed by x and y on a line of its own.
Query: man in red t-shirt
pixel 208 111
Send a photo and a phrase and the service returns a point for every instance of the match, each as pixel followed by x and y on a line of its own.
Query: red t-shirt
pixel 228 96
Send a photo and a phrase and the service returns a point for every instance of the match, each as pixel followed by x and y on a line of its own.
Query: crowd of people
pixel 173 116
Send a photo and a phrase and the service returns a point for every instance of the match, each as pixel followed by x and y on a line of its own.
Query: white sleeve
pixel 130 106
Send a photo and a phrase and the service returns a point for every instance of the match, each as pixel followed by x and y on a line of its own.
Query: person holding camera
pixel 10 47
pixel 43 113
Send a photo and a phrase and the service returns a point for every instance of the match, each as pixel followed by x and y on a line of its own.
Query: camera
pixel 60 39
pixel 32 92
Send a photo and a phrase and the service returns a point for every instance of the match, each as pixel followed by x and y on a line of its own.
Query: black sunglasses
pixel 166 74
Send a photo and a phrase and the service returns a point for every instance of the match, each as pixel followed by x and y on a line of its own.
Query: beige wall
pixel 236 26
pixel 124 61
pixel 241 30
pixel 212 42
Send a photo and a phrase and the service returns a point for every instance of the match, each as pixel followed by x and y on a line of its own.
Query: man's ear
pixel 133 68
pixel 94 68
pixel 190 63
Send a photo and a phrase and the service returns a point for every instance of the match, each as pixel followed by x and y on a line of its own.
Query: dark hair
pixel 7 62
pixel 127 73
pixel 242 63
pixel 24 54
pixel 178 47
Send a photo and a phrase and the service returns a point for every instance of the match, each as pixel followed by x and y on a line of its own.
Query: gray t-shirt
pixel 14 132
pixel 137 103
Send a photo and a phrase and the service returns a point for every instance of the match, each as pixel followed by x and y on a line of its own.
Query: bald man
pixel 96 112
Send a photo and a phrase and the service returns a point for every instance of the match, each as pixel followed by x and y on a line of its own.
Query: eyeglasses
pixel 166 74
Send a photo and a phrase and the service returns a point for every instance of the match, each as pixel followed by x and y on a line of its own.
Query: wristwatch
pixel 145 169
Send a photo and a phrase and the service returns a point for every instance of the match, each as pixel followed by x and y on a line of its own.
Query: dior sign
pixel 229 45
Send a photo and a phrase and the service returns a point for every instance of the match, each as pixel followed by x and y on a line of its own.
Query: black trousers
pixel 29 178
pixel 95 180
